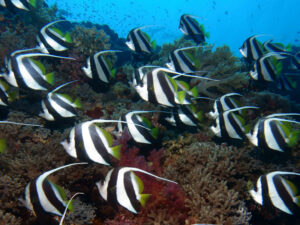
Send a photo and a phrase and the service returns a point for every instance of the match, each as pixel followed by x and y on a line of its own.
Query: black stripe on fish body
pixel 283 194
pixel 278 136
pixel 223 130
pixel 265 192
pixel 121 126
pixel 259 70
pixel 130 191
pixel 95 72
pixel 235 125
pixel 270 68
pixel 144 40
pixel 181 59
pixel 219 107
pixel 105 68
pixel 261 141
pixel 39 211
pixel 137 77
pixel 112 188
pixel 49 48
pixel 98 143
pixel 79 144
pixel 194 30
pixel 63 104
pixel 150 88
pixel 229 102
pixel 168 92
pixel 188 112
pixel 255 48
pixel 144 132
pixel 187 60
pixel 17 73
pixel 51 110
pixel 51 197
pixel 34 73
pixel 3 96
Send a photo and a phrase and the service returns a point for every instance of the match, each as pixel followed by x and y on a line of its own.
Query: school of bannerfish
pixel 158 85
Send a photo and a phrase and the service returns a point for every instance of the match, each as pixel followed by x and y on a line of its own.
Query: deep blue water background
pixel 228 21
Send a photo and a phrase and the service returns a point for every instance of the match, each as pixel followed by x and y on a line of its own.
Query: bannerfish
pixel 123 187
pixel 90 143
pixel 224 103
pixel 274 132
pixel 25 72
pixel 267 67
pixel 44 198
pixel 252 49
pixel 189 26
pixel 274 189
pixel 139 133
pixel 140 42
pixel 231 125
pixel 185 115
pixel 180 61
pixel 157 87
pixel 52 40
pixel 59 106
pixel 20 4
pixel 275 47
pixel 98 68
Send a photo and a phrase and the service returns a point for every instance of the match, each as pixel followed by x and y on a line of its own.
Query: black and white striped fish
pixel 180 61
pixel 139 133
pixel 274 189
pixel 189 26
pixel 59 106
pixel 267 67
pixel 20 4
pixel 252 49
pixel 274 132
pixel 24 72
pixel 140 42
pixel 123 187
pixel 158 87
pixel 45 198
pixel 52 40
pixel 275 47
pixel 98 68
pixel 231 125
pixel 184 115
pixel 224 103
pixel 89 143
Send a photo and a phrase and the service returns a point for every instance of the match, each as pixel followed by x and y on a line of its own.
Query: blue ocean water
pixel 229 22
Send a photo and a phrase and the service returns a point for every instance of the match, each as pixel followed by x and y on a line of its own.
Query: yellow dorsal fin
pixel 116 151
pixel 108 137
pixel 181 96
pixel 139 183
pixel 39 65
pixel 144 199
pixel 58 31
pixel 292 189
pixel 66 96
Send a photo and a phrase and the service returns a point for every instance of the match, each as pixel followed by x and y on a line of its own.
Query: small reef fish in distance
pixel 140 42
pixel 231 125
pixel 59 106
pixel 25 72
pixel 275 132
pixel 52 40
pixel 44 198
pixel 180 61
pixel 20 4
pixel 98 68
pixel 252 49
pixel 224 103
pixel 139 133
pixel 185 115
pixel 123 187
pixel 267 67
pixel 274 189
pixel 190 27
pixel 90 143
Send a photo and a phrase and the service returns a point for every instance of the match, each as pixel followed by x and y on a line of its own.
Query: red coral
pixel 95 113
